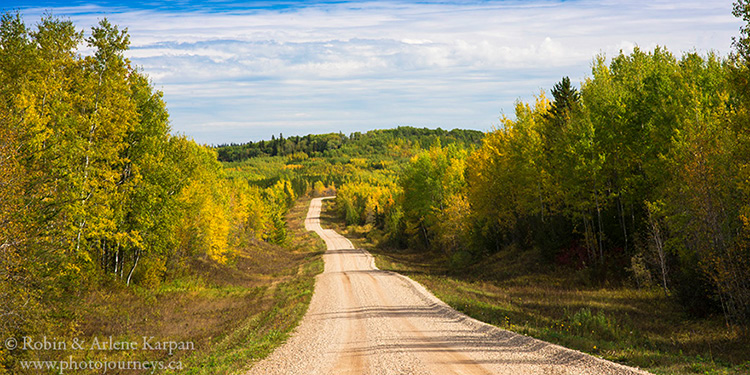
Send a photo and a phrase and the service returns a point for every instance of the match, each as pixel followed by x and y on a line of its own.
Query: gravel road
pixel 363 320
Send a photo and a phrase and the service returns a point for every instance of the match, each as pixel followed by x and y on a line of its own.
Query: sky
pixel 233 72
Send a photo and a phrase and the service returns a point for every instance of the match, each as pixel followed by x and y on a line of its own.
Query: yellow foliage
pixel 298 156
pixel 453 223
pixel 208 223
pixel 504 175
pixel 216 226
pixel 152 272
pixel 359 162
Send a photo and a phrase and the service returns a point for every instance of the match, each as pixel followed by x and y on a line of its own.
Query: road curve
pixel 363 320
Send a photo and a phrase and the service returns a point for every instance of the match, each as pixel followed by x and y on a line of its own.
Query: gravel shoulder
pixel 363 320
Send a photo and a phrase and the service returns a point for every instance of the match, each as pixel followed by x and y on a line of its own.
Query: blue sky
pixel 238 71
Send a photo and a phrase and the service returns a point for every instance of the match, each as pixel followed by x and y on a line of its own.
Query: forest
pixel 638 176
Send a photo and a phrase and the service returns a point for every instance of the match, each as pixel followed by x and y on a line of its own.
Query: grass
pixel 516 290
pixel 233 315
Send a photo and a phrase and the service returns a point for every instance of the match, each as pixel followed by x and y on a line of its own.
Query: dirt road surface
pixel 362 320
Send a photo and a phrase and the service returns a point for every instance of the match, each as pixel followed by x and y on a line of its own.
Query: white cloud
pixel 354 66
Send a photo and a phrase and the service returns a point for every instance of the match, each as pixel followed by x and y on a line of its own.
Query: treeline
pixel 337 144
pixel 640 174
pixel 93 188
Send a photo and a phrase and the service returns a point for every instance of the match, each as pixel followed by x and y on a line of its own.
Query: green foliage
pixel 741 9
pixel 505 177
pixel 393 142
pixel 433 202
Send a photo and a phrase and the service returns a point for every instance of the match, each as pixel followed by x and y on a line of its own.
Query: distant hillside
pixel 356 144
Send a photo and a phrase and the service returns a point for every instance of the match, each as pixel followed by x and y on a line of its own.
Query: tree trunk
pixel 135 263
pixel 541 201
pixel 424 233
pixel 80 231
pixel 659 245
pixel 117 258
pixel 621 209
pixel 599 234
pixel 122 262
pixel 587 237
